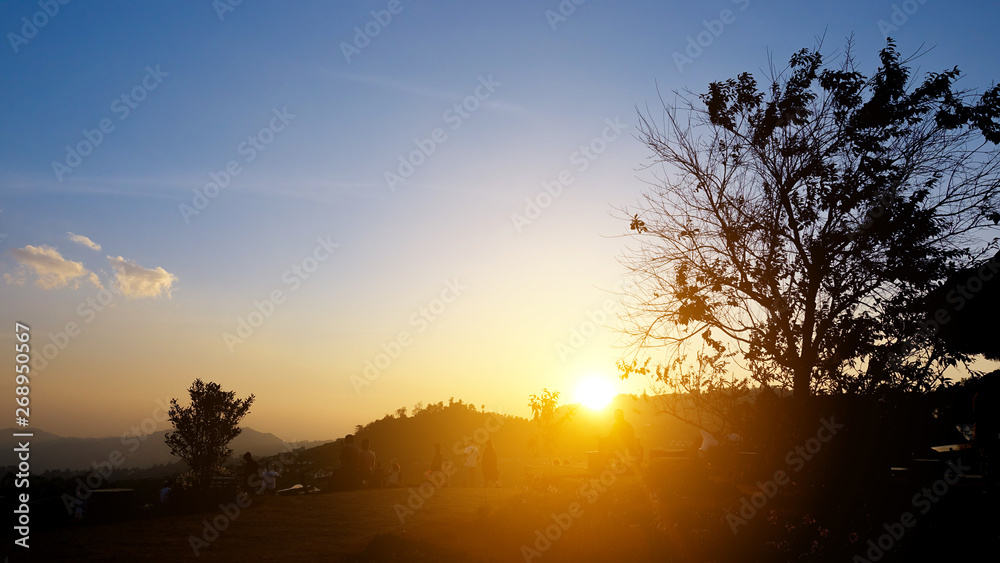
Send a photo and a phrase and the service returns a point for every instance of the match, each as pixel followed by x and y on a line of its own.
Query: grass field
pixel 564 517
pixel 451 524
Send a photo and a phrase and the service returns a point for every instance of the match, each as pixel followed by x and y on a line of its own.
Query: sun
pixel 594 392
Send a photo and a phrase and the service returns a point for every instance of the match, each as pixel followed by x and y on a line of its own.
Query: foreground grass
pixel 630 519
pixel 453 524
pixel 322 527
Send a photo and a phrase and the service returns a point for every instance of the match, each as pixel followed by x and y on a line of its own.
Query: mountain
pixel 406 437
pixel 50 451
pixel 410 437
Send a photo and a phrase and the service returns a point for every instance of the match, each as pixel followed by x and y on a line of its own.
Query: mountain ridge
pixel 54 452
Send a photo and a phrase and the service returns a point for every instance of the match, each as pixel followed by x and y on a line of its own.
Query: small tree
pixel 544 408
pixel 203 430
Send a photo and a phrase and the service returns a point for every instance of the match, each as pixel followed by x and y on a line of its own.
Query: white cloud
pixel 51 270
pixel 80 239
pixel 134 281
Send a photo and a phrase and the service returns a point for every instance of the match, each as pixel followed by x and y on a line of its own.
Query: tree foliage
pixel 545 411
pixel 203 430
pixel 796 231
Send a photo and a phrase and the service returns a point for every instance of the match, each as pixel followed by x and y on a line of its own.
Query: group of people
pixel 359 468
pixel 473 462
pixel 256 481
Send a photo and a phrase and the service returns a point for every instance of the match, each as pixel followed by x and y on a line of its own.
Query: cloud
pixel 51 269
pixel 415 90
pixel 80 239
pixel 134 281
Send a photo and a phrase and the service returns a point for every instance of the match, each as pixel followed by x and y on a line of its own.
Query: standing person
pixel 270 479
pixel 437 460
pixel 366 463
pixel 251 473
pixel 623 433
pixel 471 463
pixel 491 473
pixel 436 463
pixel 349 460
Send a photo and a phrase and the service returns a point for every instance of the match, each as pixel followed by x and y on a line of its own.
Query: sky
pixel 345 208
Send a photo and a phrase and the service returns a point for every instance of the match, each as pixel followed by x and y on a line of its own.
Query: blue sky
pixel 554 84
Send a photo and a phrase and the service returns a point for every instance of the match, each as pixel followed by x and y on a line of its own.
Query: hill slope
pixel 50 451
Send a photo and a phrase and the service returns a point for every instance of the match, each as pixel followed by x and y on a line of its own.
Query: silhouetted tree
pixel 544 408
pixel 203 430
pixel 797 231
pixel 970 300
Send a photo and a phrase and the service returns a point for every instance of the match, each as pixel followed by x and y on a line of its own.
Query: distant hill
pixel 410 437
pixel 50 451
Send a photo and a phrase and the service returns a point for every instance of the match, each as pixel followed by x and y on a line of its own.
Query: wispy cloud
pixel 167 188
pixel 417 90
pixel 85 241
pixel 135 282
pixel 49 268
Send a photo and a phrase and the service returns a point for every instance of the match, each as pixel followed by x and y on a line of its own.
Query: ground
pixel 677 515
pixel 325 527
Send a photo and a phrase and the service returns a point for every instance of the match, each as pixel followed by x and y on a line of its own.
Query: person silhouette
pixel 366 463
pixel 251 473
pixel 270 478
pixel 623 434
pixel 437 463
pixel 165 493
pixel 395 475
pixel 437 460
pixel 350 458
pixel 491 473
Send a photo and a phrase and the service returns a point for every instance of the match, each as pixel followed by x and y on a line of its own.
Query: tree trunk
pixel 800 384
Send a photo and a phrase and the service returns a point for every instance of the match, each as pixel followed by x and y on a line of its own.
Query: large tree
pixel 797 231
pixel 203 429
